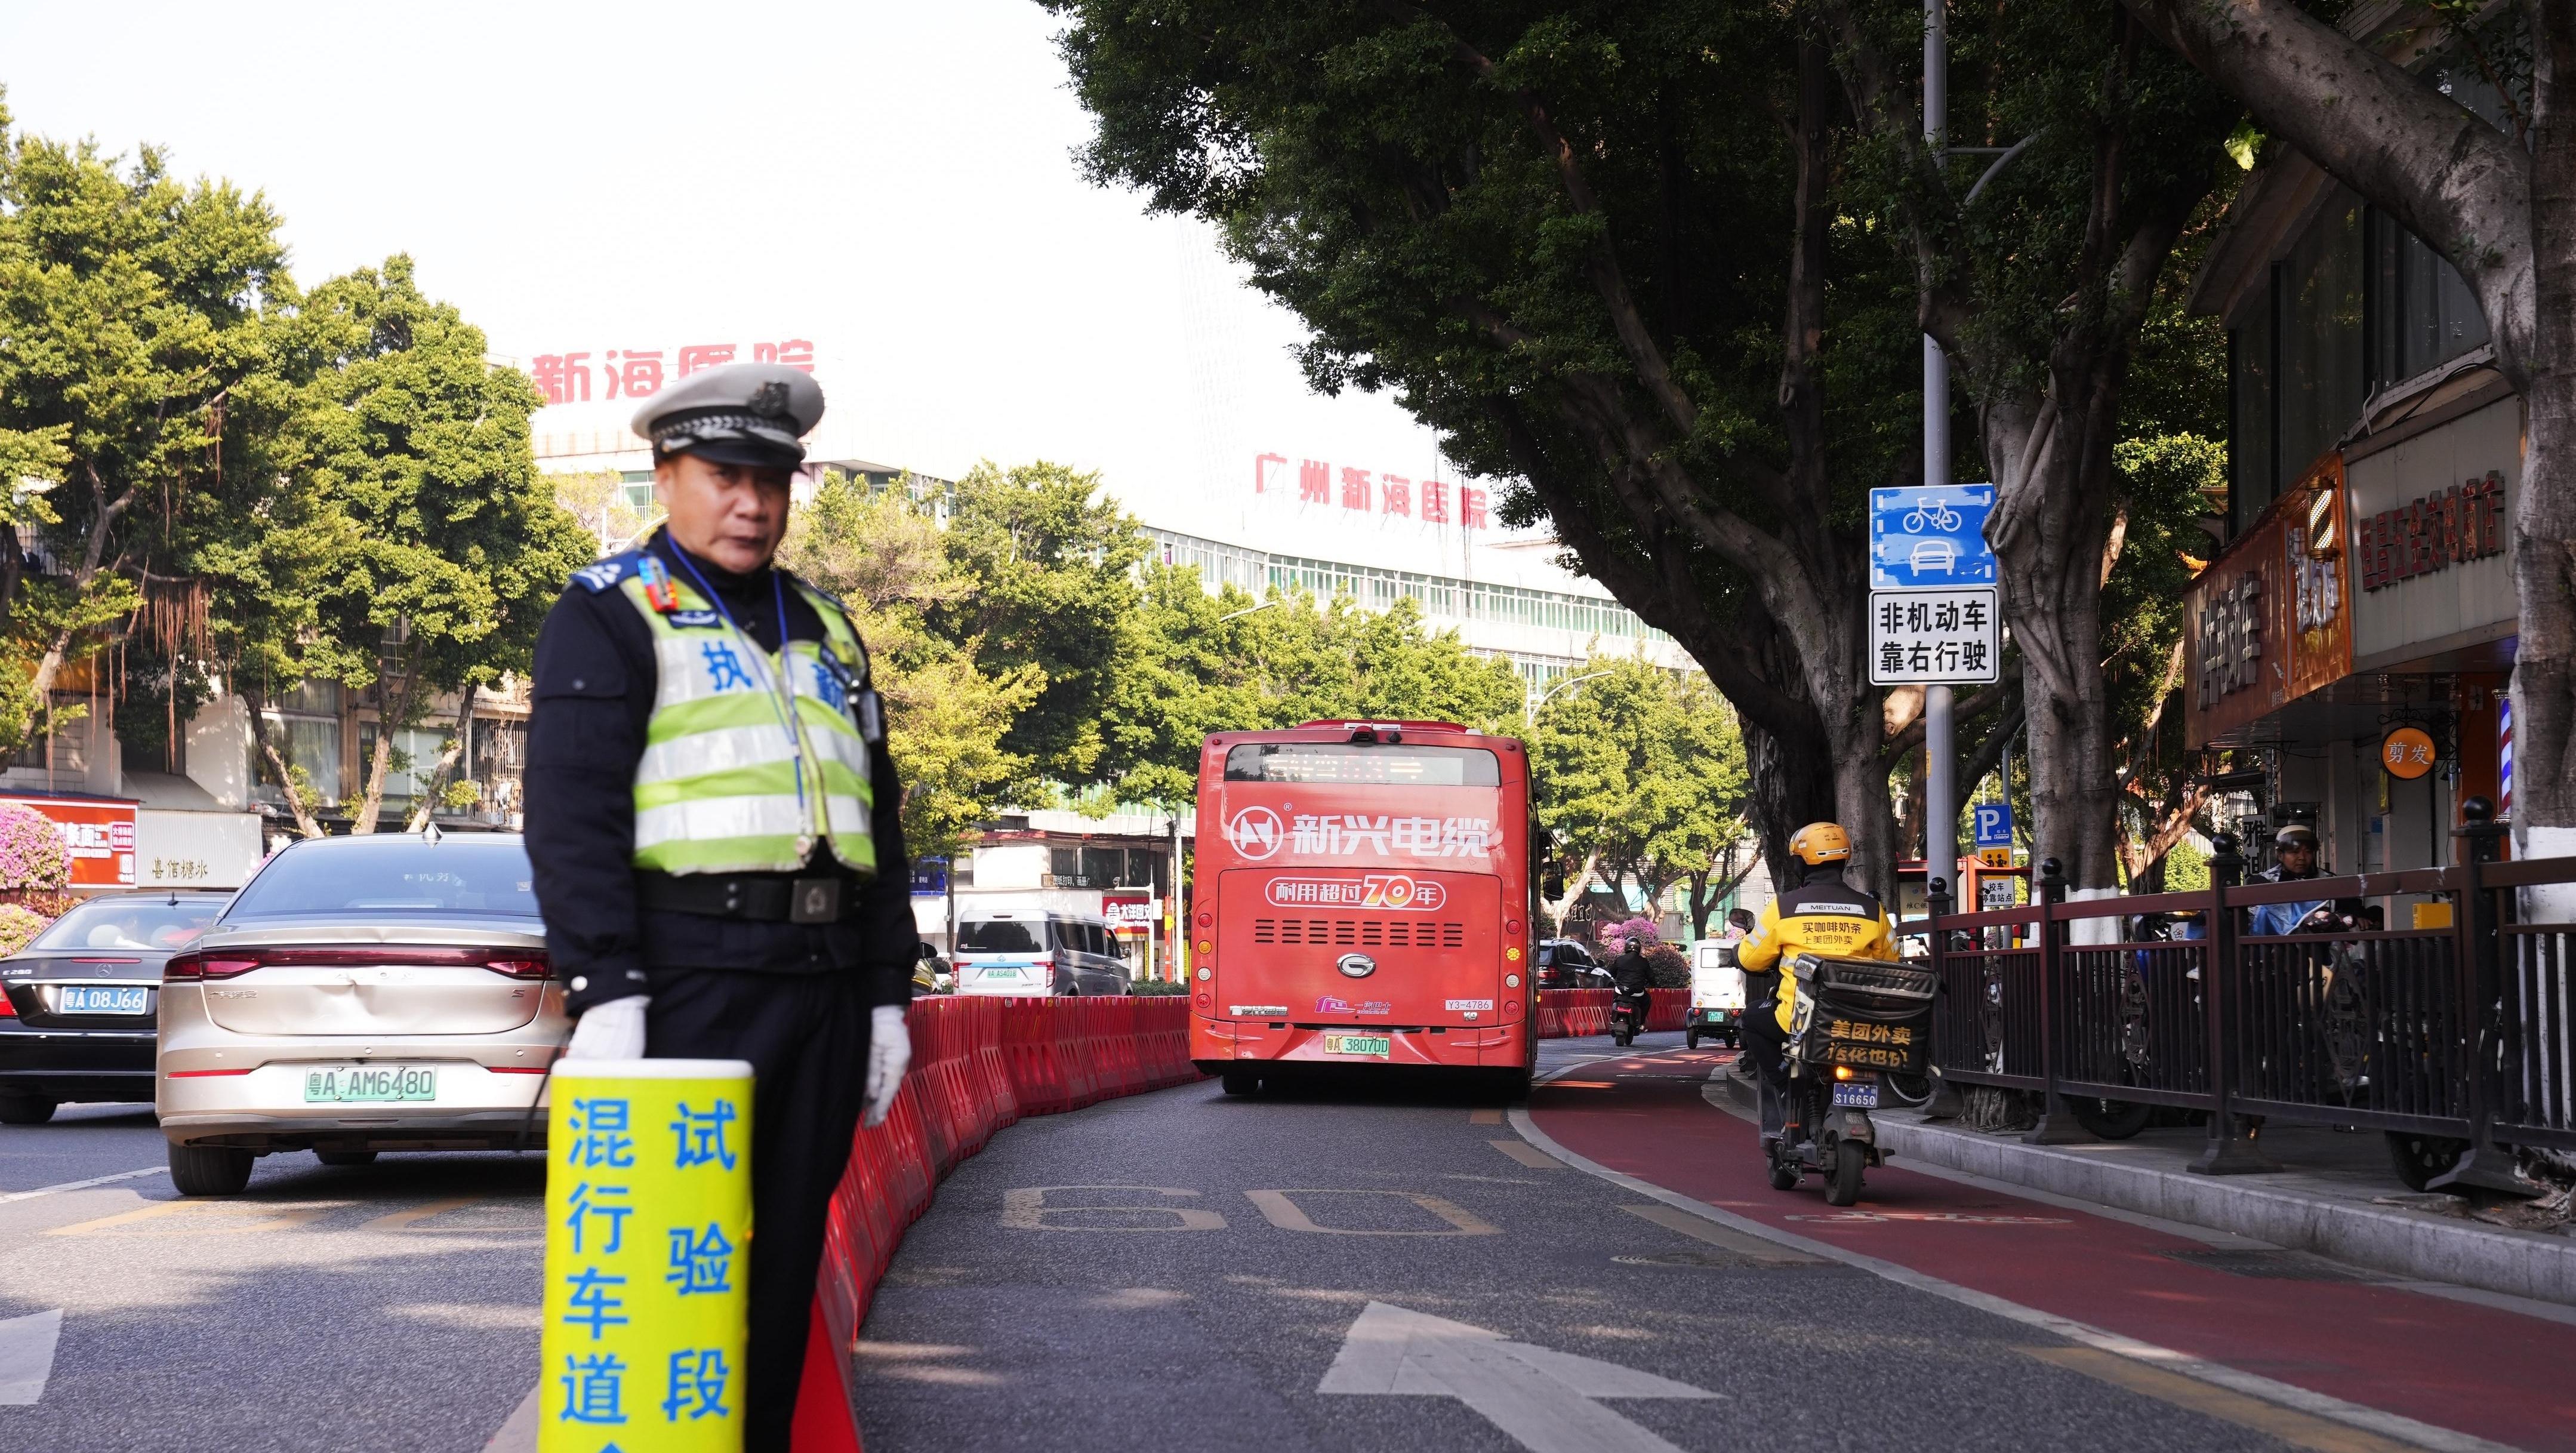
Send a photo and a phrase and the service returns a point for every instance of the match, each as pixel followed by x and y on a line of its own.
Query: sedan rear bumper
pixel 266 1109
pixel 66 1064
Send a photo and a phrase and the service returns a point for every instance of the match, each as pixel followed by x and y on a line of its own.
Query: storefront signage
pixel 2407 752
pixel 2230 638
pixel 2271 620
pixel 1128 912
pixel 2464 522
pixel 635 373
pixel 99 834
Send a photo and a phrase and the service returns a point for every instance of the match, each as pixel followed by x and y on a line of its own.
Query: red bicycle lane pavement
pixel 2475 1369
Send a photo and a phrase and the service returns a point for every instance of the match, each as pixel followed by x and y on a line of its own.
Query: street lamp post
pixel 1560 685
pixel 1247 610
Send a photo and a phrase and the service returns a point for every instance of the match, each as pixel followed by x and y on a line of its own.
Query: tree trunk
pixel 1574 887
pixel 447 758
pixel 285 770
pixel 1792 784
pixel 2544 526
pixel 393 713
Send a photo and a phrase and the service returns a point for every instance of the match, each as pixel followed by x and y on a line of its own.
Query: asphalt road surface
pixel 382 1307
pixel 1186 1270
pixel 1372 1266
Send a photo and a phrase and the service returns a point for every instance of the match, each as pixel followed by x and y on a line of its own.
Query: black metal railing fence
pixel 2461 1032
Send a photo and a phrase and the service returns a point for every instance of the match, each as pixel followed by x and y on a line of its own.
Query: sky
pixel 893 182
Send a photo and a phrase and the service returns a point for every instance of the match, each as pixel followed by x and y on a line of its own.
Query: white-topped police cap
pixel 741 413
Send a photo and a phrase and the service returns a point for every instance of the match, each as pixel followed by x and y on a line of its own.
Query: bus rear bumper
pixel 1217 1045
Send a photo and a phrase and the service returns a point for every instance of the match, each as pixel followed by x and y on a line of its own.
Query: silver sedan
pixel 360 994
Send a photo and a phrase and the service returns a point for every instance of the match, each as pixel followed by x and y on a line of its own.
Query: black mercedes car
pixel 81 1001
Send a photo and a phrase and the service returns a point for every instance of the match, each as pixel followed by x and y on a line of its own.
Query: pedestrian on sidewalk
pixel 712 819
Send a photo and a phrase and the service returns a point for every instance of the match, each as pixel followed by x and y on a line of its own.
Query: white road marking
pixel 518 1432
pixel 2387 1425
pixel 27 1356
pixel 123 1175
pixel 1541 1398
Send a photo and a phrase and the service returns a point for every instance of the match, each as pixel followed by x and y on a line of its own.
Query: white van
pixel 1717 994
pixel 1037 951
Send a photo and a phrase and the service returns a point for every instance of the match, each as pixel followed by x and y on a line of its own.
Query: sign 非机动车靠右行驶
pixel 1931 637
pixel 1922 537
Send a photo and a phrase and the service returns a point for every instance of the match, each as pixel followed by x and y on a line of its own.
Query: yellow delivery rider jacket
pixel 1823 916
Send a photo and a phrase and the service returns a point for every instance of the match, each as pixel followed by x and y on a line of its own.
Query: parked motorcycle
pixel 1854 1022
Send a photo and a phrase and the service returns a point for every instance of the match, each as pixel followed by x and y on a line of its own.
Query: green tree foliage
pixel 132 308
pixel 1205 663
pixel 1597 248
pixel 946 714
pixel 1048 564
pixel 1639 775
pixel 459 548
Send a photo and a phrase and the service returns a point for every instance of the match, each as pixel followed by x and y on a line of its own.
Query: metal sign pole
pixel 1940 754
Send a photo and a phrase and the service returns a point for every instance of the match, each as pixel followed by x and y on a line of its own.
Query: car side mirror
pixel 925 951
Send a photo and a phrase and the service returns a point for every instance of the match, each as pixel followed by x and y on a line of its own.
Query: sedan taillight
pixel 511 963
pixel 189 968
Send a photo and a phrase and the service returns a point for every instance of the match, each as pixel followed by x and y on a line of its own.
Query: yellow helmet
pixel 1820 842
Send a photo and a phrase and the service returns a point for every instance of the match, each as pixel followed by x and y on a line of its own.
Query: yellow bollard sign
pixel 648 1243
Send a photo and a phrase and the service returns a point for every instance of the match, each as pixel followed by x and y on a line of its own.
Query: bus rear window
pixel 1358 762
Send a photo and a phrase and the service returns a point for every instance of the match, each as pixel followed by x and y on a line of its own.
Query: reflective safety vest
pixel 732 779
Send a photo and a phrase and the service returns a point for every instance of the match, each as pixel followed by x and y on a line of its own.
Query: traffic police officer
pixel 712 819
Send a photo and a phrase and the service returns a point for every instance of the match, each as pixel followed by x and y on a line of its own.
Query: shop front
pixel 2355 641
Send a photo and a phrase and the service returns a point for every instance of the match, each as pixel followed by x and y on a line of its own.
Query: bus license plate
pixel 103 999
pixel 1857 1095
pixel 370 1084
pixel 1375 1046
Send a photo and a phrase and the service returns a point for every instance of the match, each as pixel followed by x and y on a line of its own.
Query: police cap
pixel 2296 835
pixel 742 413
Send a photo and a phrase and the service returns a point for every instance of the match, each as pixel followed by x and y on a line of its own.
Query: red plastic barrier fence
pixel 978 1065
pixel 1572 1013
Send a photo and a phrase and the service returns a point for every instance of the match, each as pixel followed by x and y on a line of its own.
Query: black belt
pixel 758 897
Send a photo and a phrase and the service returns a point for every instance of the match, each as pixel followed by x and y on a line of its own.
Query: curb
pixel 2491 1258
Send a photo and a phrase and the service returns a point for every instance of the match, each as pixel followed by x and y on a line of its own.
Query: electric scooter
pixel 1854 1021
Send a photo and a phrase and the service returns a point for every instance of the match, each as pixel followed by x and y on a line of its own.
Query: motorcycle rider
pixel 1822 915
pixel 1631 976
pixel 2294 854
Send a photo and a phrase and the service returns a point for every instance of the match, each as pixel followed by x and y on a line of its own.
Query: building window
pixel 2318 297
pixel 2422 314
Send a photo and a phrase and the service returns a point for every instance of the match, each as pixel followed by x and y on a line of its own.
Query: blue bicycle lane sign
pixel 1923 538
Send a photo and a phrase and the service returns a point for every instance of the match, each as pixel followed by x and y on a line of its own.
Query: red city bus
pixel 1361 897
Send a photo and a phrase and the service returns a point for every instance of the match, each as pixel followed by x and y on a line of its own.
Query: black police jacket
pixel 593 694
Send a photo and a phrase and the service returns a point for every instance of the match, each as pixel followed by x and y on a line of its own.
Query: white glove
pixel 614 1030
pixel 889 1055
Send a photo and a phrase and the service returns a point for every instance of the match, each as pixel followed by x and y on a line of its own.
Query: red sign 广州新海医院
pixel 638 373
pixel 1375 494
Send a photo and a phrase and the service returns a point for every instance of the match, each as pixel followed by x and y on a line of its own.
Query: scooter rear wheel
pixel 1842 1184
